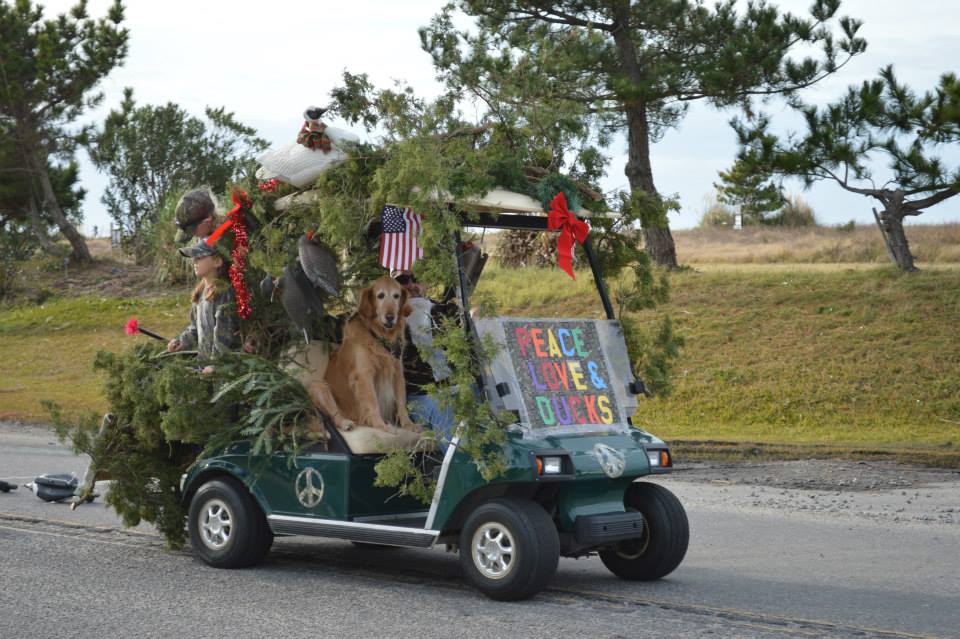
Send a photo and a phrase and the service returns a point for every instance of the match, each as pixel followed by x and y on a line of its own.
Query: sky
pixel 266 62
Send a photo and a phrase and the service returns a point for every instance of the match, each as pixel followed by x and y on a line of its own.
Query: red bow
pixel 571 228
pixel 241 201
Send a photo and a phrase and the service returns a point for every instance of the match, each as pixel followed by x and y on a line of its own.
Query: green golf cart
pixel 573 486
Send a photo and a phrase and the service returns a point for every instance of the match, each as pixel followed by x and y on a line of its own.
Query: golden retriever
pixel 364 376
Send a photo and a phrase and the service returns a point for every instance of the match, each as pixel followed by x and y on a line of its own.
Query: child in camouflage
pixel 214 325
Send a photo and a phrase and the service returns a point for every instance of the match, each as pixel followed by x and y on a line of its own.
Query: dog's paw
pixel 407 424
pixel 346 425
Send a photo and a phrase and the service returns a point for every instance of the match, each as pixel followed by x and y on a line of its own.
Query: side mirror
pixel 637 387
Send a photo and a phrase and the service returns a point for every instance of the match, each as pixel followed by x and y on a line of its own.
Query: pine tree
pixel 49 70
pixel 24 223
pixel 882 118
pixel 151 152
pixel 634 67
pixel 750 191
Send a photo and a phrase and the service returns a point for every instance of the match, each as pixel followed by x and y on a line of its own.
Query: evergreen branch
pixel 919 205
pixel 528 15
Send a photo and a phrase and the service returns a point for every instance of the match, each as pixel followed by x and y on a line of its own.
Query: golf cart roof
pixel 503 209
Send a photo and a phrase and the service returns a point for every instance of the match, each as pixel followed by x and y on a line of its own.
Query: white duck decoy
pixel 318 148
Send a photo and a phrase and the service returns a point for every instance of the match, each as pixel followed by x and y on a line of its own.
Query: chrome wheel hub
pixel 493 551
pixel 216 524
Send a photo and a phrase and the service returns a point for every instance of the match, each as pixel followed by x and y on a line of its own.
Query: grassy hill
pixel 839 357
pixel 807 354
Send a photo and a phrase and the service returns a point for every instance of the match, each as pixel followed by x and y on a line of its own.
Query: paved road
pixel 753 570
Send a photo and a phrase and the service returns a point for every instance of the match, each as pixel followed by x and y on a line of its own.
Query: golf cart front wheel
pixel 509 549
pixel 663 544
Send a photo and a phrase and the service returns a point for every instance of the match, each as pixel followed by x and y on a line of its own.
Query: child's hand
pixel 173 346
pixel 207 370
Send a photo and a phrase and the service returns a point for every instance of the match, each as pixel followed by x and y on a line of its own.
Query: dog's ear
pixel 405 308
pixel 366 308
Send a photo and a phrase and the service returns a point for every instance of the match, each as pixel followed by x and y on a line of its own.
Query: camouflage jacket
pixel 214 326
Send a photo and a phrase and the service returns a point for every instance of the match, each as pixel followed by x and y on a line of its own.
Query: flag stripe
pixel 400 238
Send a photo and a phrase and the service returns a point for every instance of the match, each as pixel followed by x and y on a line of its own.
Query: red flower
pixel 132 326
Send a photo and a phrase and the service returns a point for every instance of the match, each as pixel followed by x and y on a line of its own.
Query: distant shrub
pixel 715 213
pixel 849 226
pixel 169 267
pixel 9 272
pixel 794 213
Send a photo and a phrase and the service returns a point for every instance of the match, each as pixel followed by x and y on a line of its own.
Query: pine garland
pixel 166 414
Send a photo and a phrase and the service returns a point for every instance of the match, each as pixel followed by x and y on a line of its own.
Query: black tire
pixel 666 534
pixel 524 528
pixel 227 527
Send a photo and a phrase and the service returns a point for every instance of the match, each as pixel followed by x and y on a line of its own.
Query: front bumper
pixel 599 530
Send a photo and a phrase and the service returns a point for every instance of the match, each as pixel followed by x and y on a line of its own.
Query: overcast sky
pixel 267 61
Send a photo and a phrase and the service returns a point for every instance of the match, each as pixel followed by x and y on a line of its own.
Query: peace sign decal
pixel 309 487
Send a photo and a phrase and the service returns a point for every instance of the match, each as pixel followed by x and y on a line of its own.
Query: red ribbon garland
pixel 269 186
pixel 241 246
pixel 571 229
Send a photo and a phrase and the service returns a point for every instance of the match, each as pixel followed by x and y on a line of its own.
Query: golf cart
pixel 571 487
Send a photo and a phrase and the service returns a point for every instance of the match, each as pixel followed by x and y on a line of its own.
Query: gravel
pixel 880 491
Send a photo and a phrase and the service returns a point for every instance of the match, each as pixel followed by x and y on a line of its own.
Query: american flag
pixel 400 238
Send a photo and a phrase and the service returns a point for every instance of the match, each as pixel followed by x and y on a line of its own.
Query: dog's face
pixel 384 305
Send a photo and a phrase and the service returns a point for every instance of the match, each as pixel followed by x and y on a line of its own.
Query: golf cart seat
pixel 363 440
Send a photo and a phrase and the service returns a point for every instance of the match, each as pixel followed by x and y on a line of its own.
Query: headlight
pixel 552 465
pixel 549 465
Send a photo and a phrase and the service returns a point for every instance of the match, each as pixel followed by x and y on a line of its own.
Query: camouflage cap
pixel 194 207
pixel 200 248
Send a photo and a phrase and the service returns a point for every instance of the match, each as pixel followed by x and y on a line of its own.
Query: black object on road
pixel 6 487
pixel 54 487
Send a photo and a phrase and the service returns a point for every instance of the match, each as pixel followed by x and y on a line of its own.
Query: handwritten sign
pixel 562 373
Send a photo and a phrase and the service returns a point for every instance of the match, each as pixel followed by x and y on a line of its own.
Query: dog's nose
pixel 391 318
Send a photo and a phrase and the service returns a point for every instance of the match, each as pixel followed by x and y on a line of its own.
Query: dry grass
pixel 100 248
pixel 930 244
pixel 111 274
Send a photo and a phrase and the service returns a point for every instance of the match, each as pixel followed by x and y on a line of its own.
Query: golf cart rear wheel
pixel 666 534
pixel 227 527
pixel 509 549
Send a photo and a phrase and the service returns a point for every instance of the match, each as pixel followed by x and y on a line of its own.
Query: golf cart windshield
pixel 559 376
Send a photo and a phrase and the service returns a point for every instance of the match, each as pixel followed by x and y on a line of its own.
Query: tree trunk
pixel 659 244
pixel 656 230
pixel 891 222
pixel 39 229
pixel 80 251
